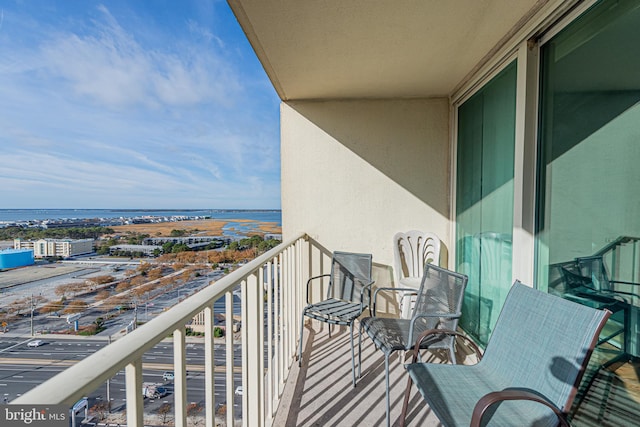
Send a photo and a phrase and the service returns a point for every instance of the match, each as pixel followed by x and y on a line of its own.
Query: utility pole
pixel 135 316
pixel 32 309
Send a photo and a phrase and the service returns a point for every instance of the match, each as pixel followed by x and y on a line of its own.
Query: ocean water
pixel 222 214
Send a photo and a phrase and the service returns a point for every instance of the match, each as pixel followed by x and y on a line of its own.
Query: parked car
pixel 168 376
pixel 35 343
pixel 238 391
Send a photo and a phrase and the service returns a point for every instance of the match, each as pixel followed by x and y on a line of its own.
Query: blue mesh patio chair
pixel 348 294
pixel 530 370
pixel 438 305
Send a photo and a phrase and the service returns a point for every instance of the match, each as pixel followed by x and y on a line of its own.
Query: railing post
pixel 269 339
pixel 133 384
pixel 253 350
pixel 209 368
pixel 229 375
pixel 287 307
pixel 281 330
pixel 180 376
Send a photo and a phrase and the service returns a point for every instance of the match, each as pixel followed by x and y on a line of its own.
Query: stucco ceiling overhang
pixel 345 49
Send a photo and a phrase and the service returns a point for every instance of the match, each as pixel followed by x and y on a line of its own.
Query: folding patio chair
pixel 438 305
pixel 530 370
pixel 348 294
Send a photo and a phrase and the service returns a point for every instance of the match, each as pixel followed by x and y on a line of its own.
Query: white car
pixel 35 343
pixel 238 390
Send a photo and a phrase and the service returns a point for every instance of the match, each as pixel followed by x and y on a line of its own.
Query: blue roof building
pixel 14 258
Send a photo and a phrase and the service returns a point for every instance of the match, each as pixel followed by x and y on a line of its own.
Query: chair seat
pixel 334 311
pixel 453 392
pixel 391 334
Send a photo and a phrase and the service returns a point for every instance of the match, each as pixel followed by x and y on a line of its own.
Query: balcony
pixel 275 390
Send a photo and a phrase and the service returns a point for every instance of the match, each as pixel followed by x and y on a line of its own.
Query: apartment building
pixel 63 248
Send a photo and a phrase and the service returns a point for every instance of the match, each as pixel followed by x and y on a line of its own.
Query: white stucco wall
pixel 356 172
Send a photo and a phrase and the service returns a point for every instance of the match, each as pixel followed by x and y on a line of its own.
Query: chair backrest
pixel 412 250
pixel 349 272
pixel 542 342
pixel 441 291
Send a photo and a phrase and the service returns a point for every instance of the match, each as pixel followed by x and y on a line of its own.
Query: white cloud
pixel 111 67
pixel 94 115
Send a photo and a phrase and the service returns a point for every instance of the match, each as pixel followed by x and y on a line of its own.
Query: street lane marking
pixel 15 345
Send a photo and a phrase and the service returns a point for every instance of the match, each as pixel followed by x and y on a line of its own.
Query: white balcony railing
pixel 272 294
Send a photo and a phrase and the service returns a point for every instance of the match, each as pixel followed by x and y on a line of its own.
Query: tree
pixel 164 410
pixel 193 411
pixel 102 295
pixel 101 280
pixel 64 289
pixel 76 306
pixel 101 409
pixel 52 307
pixel 99 322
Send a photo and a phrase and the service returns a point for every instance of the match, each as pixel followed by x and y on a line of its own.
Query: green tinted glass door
pixel 588 223
pixel 484 200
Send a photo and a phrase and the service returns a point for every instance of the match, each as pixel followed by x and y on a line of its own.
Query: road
pixel 22 368
pixel 145 311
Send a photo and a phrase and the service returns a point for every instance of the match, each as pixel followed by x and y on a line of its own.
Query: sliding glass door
pixel 484 199
pixel 588 222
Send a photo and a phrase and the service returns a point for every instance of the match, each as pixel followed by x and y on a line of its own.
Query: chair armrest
pixel 494 397
pixel 428 332
pixel 431 316
pixel 309 283
pixel 375 294
pixel 624 283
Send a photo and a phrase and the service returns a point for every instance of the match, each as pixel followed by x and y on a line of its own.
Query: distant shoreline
pixel 27 216
pixel 204 227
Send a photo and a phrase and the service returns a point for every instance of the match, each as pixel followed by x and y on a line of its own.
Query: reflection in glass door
pixel 588 222
pixel 484 200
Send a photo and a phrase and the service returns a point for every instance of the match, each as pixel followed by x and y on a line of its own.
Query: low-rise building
pixel 149 250
pixel 64 248
pixel 14 258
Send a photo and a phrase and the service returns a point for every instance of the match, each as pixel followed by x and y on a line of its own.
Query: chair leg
pixel 360 351
pixel 405 403
pixel 300 341
pixel 386 379
pixel 353 356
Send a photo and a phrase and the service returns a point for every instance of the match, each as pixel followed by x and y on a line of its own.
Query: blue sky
pixel 133 104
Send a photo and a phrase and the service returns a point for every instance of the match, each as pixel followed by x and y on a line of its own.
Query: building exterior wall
pixel 53 247
pixel 356 172
pixel 14 258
